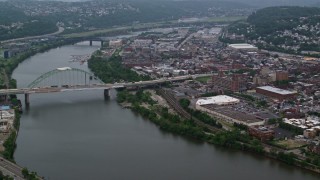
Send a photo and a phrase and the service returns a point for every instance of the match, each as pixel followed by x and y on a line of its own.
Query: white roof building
pixel 242 46
pixel 218 100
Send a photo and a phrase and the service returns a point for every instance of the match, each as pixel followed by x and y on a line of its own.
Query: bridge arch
pixel 87 76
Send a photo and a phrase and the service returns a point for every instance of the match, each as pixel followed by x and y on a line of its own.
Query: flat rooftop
pixel 240 116
pixel 218 100
pixel 276 90
pixel 242 46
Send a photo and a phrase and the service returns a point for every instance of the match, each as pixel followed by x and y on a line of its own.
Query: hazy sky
pixel 258 3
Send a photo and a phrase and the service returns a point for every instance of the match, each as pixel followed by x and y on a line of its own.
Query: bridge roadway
pixel 97 86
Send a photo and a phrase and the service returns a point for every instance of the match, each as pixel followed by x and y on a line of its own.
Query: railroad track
pixel 176 106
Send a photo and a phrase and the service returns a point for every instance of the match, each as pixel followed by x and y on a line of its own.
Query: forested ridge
pixel 287 29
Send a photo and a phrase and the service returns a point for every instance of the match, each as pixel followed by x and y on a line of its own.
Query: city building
pixel 276 93
pixel 7 116
pixel 221 107
pixel 243 46
pixel 261 132
pixel 310 124
pixel 221 100
pixel 282 76
pixel 115 43
pixel 234 83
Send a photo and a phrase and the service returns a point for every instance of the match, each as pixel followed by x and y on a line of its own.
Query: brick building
pixel 262 133
pixel 282 76
pixel 277 93
pixel 234 83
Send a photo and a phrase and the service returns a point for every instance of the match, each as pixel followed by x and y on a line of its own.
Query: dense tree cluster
pixel 204 117
pixel 289 127
pixel 3 177
pixel 29 175
pixel 29 28
pixel 139 97
pixel 9 146
pixel 171 123
pixel 15 24
pixel 269 20
pixel 111 70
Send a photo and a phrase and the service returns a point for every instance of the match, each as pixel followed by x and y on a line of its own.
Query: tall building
pixel 282 76
pixel 234 83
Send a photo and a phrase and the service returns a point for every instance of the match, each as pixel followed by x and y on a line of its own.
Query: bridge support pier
pixel 107 93
pixel 27 100
pixel 90 42
pixel 101 43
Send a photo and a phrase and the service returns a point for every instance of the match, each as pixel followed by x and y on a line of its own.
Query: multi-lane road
pixel 60 30
pixel 11 169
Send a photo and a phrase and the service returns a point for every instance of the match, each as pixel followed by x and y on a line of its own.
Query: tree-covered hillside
pixel 17 16
pixel 273 19
pixel 268 3
pixel 14 23
pixel 9 14
pixel 288 29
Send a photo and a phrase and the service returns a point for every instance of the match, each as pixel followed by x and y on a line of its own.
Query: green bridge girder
pixel 57 71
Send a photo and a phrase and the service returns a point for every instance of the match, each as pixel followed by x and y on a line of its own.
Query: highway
pixel 11 169
pixel 61 29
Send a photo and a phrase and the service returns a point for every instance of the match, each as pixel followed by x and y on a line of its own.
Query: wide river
pixel 79 135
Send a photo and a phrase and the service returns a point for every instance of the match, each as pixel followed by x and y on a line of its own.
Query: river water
pixel 79 135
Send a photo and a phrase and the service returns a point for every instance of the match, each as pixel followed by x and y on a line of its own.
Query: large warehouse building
pixel 222 107
pixel 276 93
pixel 221 100
pixel 243 46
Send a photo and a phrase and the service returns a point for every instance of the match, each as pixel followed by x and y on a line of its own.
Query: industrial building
pixel 243 46
pixel 276 93
pixel 221 100
pixel 221 107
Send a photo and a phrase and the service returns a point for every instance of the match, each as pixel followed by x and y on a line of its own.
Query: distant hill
pixel 269 20
pixel 9 14
pixel 288 29
pixel 269 3
pixel 14 23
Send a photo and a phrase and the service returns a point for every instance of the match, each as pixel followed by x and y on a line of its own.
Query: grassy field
pixel 149 25
pixel 290 144
pixel 203 79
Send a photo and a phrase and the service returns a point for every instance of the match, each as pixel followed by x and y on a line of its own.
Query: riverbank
pixel 234 139
pixel 10 143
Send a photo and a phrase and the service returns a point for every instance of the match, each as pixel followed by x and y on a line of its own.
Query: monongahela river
pixel 79 135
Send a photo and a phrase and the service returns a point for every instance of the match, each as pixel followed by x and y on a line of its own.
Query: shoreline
pixel 269 155
pixel 127 105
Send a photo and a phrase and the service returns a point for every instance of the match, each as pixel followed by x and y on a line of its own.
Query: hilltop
pixel 286 29
pixel 28 18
